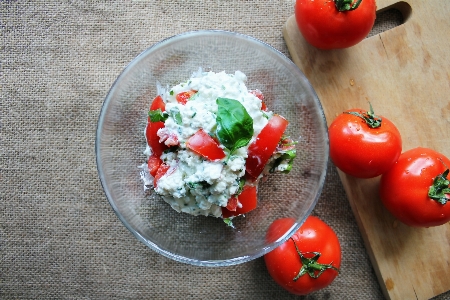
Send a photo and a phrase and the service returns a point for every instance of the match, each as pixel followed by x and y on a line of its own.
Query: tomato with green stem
pixel 306 262
pixel 416 190
pixel 363 144
pixel 335 24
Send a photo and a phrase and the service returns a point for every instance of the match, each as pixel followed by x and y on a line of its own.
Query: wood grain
pixel 405 73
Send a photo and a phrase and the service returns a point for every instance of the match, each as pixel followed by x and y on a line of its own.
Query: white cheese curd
pixel 194 184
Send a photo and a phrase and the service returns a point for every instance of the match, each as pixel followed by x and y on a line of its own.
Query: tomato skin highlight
pixel 203 144
pixel 404 188
pixel 247 200
pixel 265 144
pixel 325 27
pixel 361 151
pixel 152 128
pixel 283 263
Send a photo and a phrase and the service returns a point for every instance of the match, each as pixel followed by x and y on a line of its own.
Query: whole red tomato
pixel 416 189
pixel 334 24
pixel 362 144
pixel 308 261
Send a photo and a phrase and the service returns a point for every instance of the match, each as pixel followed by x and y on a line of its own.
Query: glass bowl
pixel 120 142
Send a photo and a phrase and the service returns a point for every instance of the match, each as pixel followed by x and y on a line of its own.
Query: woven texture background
pixel 59 237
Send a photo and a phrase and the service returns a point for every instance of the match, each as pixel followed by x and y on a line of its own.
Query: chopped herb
pixel 157 115
pixel 288 156
pixel 198 185
pixel 171 92
pixel 194 96
pixel 229 222
pixel 175 114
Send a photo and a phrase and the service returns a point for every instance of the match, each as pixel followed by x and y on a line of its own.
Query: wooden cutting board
pixel 405 73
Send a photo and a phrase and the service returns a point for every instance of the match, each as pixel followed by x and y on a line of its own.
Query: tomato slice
pixel 183 97
pixel 153 164
pixel 162 170
pixel 265 144
pixel 247 202
pixel 203 144
pixel 153 127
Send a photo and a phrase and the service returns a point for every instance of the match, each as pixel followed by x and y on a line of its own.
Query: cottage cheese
pixel 193 184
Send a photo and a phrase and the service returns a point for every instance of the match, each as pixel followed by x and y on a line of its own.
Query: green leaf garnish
pixel 157 115
pixel 287 153
pixel 234 124
pixel 288 156
pixel 229 222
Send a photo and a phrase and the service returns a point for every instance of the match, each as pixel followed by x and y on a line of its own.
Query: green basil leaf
pixel 157 115
pixel 288 158
pixel 234 124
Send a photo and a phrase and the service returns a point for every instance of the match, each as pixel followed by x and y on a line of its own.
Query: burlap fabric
pixel 59 237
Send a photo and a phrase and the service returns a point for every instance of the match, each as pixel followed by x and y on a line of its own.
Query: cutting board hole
pixel 391 17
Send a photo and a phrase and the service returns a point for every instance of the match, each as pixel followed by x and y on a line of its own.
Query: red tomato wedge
pixel 183 97
pixel 158 103
pixel 203 144
pixel 153 127
pixel 153 164
pixel 247 202
pixel 265 144
pixel 160 173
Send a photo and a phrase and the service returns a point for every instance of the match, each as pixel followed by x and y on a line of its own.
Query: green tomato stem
pixel 372 120
pixel 310 266
pixel 439 188
pixel 347 5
